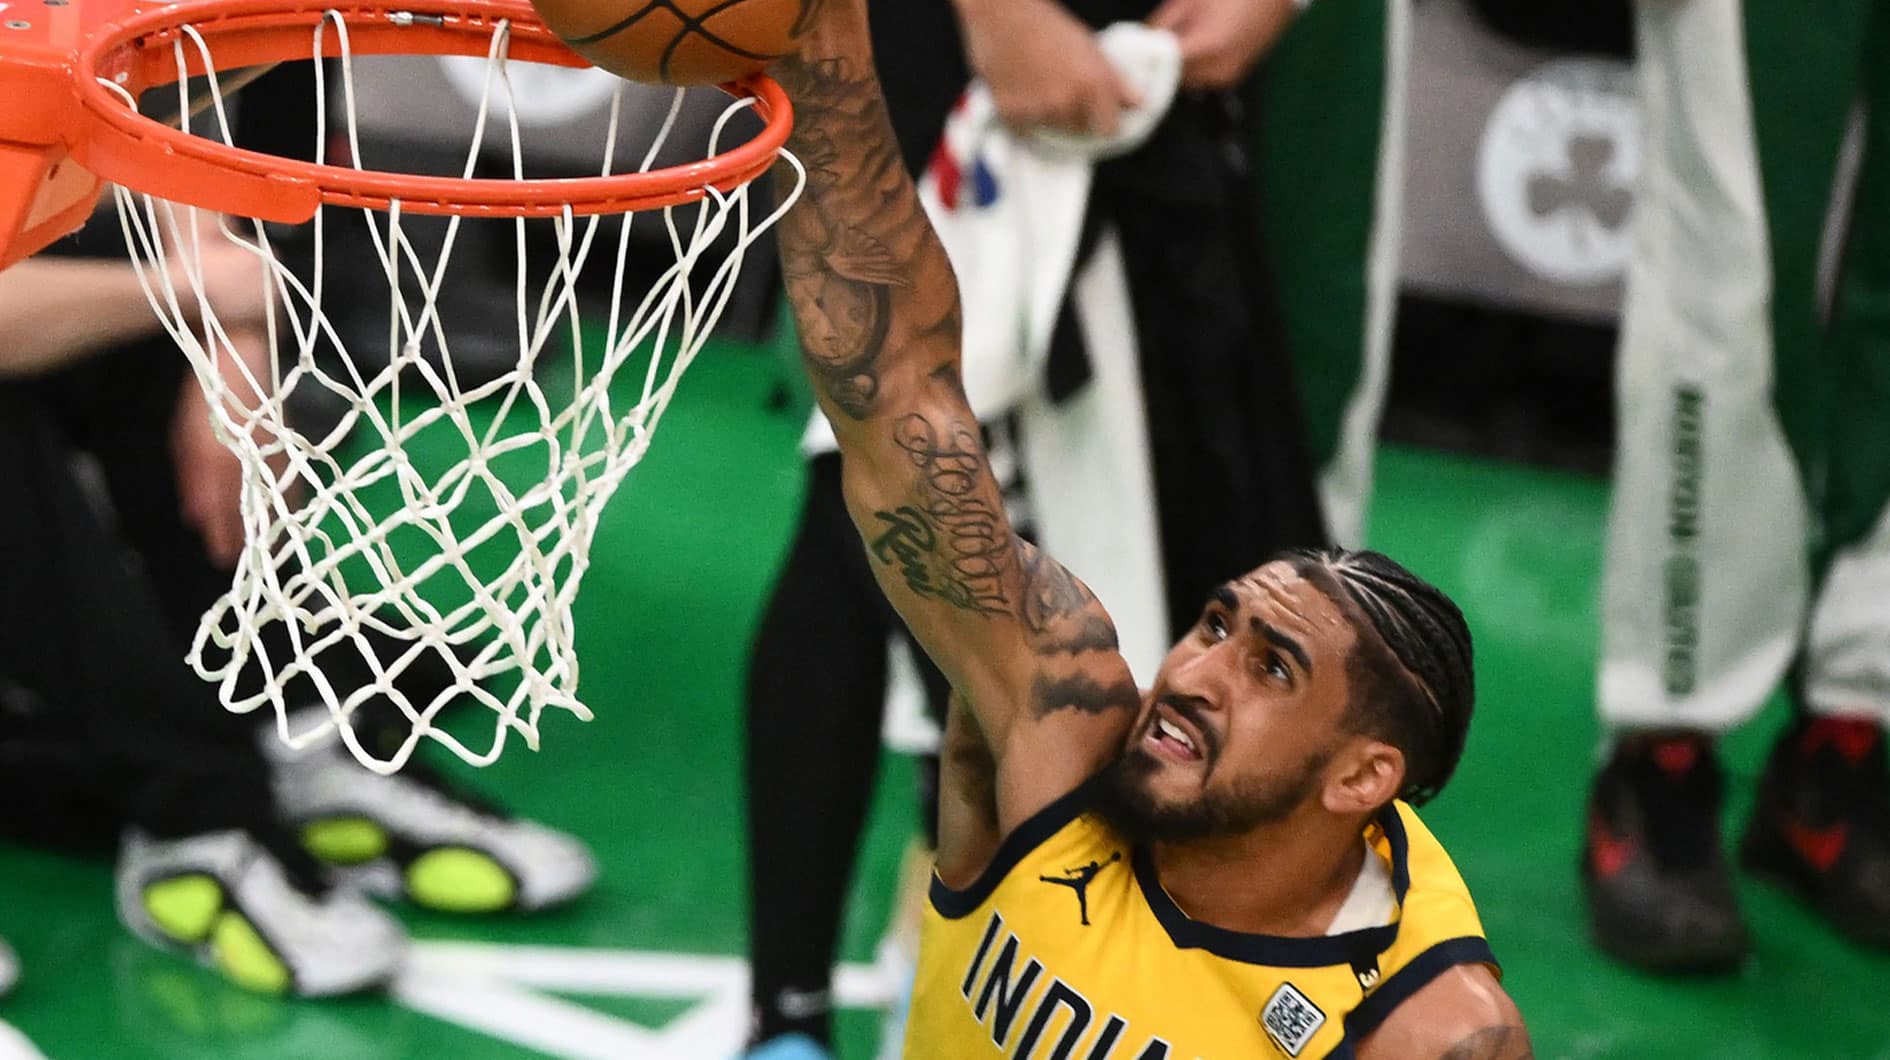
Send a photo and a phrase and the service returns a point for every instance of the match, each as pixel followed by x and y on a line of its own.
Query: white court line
pixel 491 988
pixel 712 1030
pixel 630 973
pixel 511 1013
pixel 633 973
pixel 13 1044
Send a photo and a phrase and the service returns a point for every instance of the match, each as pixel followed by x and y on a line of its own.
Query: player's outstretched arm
pixel 1022 641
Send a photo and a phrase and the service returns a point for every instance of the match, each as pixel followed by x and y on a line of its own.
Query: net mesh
pixel 375 571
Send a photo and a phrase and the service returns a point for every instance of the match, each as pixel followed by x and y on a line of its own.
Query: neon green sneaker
pixel 260 919
pixel 412 836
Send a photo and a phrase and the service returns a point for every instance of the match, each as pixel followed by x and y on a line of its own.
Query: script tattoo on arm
pixel 951 543
pixel 1493 1043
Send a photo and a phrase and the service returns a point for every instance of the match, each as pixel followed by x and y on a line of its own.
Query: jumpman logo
pixel 1078 880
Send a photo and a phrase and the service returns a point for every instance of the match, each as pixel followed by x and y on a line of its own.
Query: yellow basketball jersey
pixel 1067 948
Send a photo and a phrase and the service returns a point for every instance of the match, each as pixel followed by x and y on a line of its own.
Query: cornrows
pixel 1423 703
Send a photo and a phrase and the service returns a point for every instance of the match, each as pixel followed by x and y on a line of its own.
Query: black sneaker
pixel 1821 827
pixel 1659 894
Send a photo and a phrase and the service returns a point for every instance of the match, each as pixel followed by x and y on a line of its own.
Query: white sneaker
pixel 233 903
pixel 410 836
pixel 9 968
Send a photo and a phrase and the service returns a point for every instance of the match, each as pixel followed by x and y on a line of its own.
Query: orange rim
pixel 137 53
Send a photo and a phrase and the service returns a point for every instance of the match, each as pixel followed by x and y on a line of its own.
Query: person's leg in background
pixel 1827 777
pixel 1338 76
pixel 1224 423
pixel 33 757
pixel 1706 578
pixel 103 730
pixel 816 688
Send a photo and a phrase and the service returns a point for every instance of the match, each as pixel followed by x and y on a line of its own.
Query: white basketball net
pixel 355 555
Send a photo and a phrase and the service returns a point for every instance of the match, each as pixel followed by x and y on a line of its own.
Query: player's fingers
pixel 1069 107
pixel 1213 72
pixel 1102 115
pixel 1022 110
pixel 198 516
pixel 223 501
pixel 1194 74
pixel 1127 95
pixel 223 539
pixel 1073 118
pixel 1196 40
pixel 1171 15
pixel 1204 61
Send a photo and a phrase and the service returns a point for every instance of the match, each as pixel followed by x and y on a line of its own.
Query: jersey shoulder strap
pixel 1438 927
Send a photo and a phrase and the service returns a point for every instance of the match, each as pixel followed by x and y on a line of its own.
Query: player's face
pixel 1245 714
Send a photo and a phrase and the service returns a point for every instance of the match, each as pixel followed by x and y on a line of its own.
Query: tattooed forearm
pixel 951 543
pixel 1493 1043
pixel 867 279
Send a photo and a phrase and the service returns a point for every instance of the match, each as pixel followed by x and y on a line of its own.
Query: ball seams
pixel 690 24
pixel 624 23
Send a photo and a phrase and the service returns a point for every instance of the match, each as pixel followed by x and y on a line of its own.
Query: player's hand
pixel 1044 67
pixel 209 478
pixel 1222 40
pixel 209 475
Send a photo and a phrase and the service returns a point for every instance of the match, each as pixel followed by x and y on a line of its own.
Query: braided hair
pixel 1412 683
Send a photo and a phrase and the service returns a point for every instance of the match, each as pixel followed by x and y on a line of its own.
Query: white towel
pixel 1009 210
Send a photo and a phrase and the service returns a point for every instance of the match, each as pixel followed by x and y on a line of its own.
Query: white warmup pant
pixel 1345 480
pixel 1708 577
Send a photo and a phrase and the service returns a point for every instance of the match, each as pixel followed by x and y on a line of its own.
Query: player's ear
pixel 1367 774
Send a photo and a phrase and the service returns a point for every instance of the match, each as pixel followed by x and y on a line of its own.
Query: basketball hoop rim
pixel 138 53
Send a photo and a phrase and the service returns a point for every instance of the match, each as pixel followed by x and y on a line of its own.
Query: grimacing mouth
pixel 1186 723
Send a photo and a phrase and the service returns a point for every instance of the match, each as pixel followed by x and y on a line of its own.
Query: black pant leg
pixel 119 407
pixel 816 685
pixel 106 725
pixel 1234 481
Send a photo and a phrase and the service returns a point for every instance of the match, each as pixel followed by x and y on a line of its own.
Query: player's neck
pixel 1285 879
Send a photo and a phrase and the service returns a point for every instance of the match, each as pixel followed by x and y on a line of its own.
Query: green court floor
pixel 648 965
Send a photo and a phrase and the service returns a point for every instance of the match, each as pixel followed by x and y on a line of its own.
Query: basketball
pixel 677 42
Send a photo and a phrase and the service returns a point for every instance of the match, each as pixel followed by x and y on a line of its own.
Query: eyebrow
pixel 1225 596
pixel 1284 643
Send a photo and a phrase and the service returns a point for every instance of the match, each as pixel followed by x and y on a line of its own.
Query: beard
pixel 1124 801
